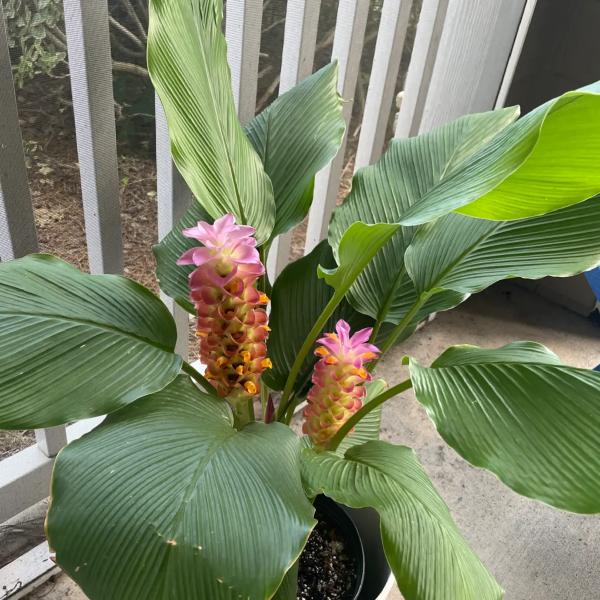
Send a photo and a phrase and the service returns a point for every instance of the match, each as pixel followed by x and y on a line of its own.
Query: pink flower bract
pixel 338 381
pixel 232 320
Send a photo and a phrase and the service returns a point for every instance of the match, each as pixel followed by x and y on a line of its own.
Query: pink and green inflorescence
pixel 232 321
pixel 338 381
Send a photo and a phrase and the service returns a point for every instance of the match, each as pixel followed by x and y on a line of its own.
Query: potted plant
pixel 195 485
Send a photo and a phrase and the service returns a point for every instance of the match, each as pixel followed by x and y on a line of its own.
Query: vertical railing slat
pixel 420 69
pixel 174 198
pixel 382 83
pixel 347 49
pixel 474 49
pixel 51 440
pixel 515 53
pixel 297 58
pixel 90 67
pixel 242 29
pixel 17 225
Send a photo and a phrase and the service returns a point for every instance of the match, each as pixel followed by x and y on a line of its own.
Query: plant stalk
pixel 345 429
pixel 197 377
pixel 385 309
pixel 400 328
pixel 285 402
pixel 243 412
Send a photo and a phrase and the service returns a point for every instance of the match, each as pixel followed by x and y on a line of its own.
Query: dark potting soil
pixel 326 571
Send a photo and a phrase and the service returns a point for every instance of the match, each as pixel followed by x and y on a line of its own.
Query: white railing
pixel 463 59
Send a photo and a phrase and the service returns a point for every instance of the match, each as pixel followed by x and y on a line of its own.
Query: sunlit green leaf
pixel 546 160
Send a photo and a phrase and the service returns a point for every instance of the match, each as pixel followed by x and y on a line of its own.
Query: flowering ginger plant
pixel 199 483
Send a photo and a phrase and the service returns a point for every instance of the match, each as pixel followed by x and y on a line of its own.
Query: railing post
pixel 243 21
pixel 51 440
pixel 297 58
pixel 420 69
pixel 382 83
pixel 515 52
pixel 17 225
pixel 90 66
pixel 347 50
pixel 174 198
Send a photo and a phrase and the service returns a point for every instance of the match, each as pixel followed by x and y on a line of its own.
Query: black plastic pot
pixel 360 529
pixel 377 579
pixel 337 516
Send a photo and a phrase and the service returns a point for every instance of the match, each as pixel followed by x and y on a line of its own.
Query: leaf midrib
pixel 199 471
pixel 217 119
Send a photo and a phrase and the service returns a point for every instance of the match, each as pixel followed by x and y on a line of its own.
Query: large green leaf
pixel 428 556
pixel 466 255
pixel 544 161
pixel 187 61
pixel 174 278
pixel 74 345
pixel 520 413
pixel 295 136
pixel 383 192
pixel 166 500
pixel 298 298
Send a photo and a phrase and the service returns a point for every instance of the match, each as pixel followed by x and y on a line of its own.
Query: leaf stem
pixel 400 328
pixel 285 402
pixel 264 283
pixel 364 411
pixel 197 377
pixel 385 309
pixel 264 398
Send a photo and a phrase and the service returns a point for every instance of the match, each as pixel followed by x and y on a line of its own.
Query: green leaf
pixel 546 160
pixel 383 192
pixel 297 300
pixel 518 412
pixel 368 428
pixel 467 255
pixel 357 246
pixel 167 500
pixel 74 345
pixel 295 136
pixel 187 61
pixel 427 553
pixel 173 278
pixel 288 590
